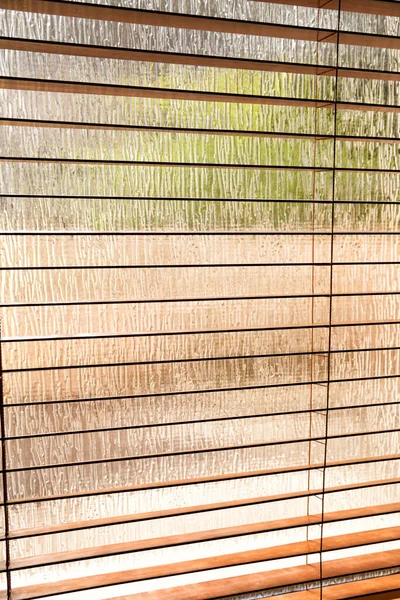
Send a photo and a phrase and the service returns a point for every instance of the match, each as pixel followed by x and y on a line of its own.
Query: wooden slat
pixel 237 475
pixel 194 165
pixel 174 512
pixel 44 85
pixel 372 7
pixel 223 588
pixel 65 49
pixel 265 580
pixel 13 122
pixel 186 21
pixel 276 552
pixel 289 576
pixel 367 588
pixel 305 520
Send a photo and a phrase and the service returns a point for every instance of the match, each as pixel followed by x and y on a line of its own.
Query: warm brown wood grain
pixel 268 579
pixel 366 588
pixel 186 21
pixel 244 475
pixel 275 552
pixel 42 85
pixel 220 132
pixel 194 60
pixel 224 587
pixel 372 7
pixel 181 511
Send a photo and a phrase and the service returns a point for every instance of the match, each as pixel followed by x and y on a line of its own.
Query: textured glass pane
pixel 153 112
pixel 366 248
pixel 230 10
pixel 366 278
pixel 368 123
pixel 167 182
pixel 75 416
pixel 200 296
pixel 158 75
pixel 372 336
pixel 365 496
pixel 167 147
pixel 167 348
pixel 259 11
pixel 92 382
pixel 108 250
pixel 110 445
pixel 152 284
pixel 170 214
pixel 367 187
pixel 379 363
pixel 146 472
pixel 173 316
pixel 366 308
pixel 40 514
pixel 378 391
pixel 366 446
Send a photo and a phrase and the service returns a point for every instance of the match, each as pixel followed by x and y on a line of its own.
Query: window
pixel 200 299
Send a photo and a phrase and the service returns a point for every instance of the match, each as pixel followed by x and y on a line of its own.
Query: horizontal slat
pixel 246 583
pixel 338 202
pixel 197 299
pixel 200 266
pixel 197 359
pixel 192 165
pixel 194 451
pixel 199 23
pixel 95 336
pixel 374 588
pixel 171 423
pixel 196 265
pixel 387 8
pixel 371 589
pixel 303 521
pixel 351 540
pixel 221 62
pixel 205 391
pixel 222 132
pixel 196 232
pixel 44 85
pixel 229 477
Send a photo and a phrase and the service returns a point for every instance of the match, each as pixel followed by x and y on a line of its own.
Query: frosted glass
pixel 165 348
pixel 110 445
pixel 200 298
pixel 297 15
pixel 159 75
pixel 370 308
pixel 79 479
pixel 112 381
pixel 168 317
pixel 153 112
pixel 378 391
pixel 152 284
pixel 166 147
pixel 229 10
pixel 162 182
pixel 54 250
pixel 58 417
pixel 169 212
pixel 85 31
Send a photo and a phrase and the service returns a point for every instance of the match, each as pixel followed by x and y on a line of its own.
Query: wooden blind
pixel 200 299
